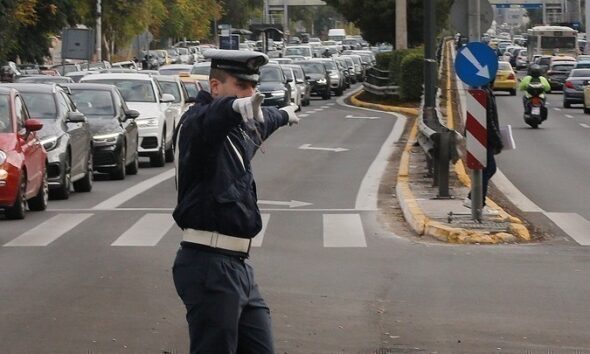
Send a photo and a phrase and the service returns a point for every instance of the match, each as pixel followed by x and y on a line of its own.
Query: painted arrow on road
pixel 350 116
pixel 309 147
pixel 481 71
pixel 290 204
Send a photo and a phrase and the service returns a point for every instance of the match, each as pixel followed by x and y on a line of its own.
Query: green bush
pixel 383 60
pixel 395 64
pixel 411 76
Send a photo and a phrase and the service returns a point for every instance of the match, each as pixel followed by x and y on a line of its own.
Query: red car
pixel 23 175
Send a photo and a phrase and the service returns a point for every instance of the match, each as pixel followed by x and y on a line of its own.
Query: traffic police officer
pixel 217 207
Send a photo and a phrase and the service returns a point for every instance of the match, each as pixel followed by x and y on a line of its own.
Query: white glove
pixel 250 107
pixel 290 109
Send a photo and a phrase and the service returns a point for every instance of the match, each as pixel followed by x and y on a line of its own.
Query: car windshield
pixel 312 68
pixel 5 121
pixel 298 74
pixel 45 79
pixel 201 69
pixel 562 67
pixel 94 102
pixel 171 88
pixel 580 73
pixel 330 65
pixel 131 90
pixel 191 89
pixel 271 74
pixel 303 51
pixel 288 73
pixel 40 105
pixel 173 71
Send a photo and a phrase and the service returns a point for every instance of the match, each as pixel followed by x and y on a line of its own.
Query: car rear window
pixel 94 102
pixel 5 121
pixel 173 71
pixel 562 67
pixel 580 73
pixel 201 70
pixel 271 75
pixel 504 66
pixel 40 105
pixel 312 68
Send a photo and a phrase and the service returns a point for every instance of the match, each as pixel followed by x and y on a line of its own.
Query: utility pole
pixel 429 54
pixel 473 12
pixel 401 24
pixel 98 30
pixel 286 19
pixel 587 25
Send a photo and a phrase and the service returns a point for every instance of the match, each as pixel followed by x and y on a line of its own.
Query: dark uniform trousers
pixel 225 311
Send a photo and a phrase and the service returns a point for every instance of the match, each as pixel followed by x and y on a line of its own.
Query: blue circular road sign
pixel 476 64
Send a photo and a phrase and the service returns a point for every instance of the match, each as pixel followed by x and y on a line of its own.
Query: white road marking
pixel 350 116
pixel 257 240
pixel 303 115
pixel 309 147
pixel 569 116
pixel 172 209
pixel 290 204
pixel 557 109
pixel 574 225
pixel 49 231
pixel 584 125
pixel 147 231
pixel 330 104
pixel 343 230
pixel 134 191
pixel 325 107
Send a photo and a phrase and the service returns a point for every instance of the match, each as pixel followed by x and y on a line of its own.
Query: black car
pixel 275 86
pixel 65 135
pixel 319 78
pixel 113 128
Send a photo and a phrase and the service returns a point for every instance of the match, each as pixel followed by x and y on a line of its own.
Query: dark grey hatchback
pixel 65 135
pixel 113 128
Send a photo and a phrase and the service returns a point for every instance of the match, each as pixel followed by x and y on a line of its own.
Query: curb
pixel 412 212
pixel 404 110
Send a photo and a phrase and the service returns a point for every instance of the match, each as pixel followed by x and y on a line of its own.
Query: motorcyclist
pixel 534 76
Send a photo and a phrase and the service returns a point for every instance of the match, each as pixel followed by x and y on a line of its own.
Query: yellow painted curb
pixel 405 110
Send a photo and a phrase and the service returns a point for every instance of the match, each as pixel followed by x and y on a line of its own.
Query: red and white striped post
pixel 477 142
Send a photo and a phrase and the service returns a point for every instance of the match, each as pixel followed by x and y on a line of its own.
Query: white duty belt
pixel 216 240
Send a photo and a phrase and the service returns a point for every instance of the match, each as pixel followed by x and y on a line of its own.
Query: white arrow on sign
pixel 309 147
pixel 291 204
pixel 350 116
pixel 482 71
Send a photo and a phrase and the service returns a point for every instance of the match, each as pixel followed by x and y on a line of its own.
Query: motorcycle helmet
pixel 535 70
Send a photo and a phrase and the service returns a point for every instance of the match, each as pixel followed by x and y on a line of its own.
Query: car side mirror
pixel 131 114
pixel 300 82
pixel 33 125
pixel 75 117
pixel 307 77
pixel 191 99
pixel 289 80
pixel 167 98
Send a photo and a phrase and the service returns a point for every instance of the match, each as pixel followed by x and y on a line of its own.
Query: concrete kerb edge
pixel 404 110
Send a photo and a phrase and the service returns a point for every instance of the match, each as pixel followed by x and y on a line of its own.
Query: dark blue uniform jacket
pixel 216 191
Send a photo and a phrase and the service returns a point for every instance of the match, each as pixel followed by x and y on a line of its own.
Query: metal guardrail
pixel 378 83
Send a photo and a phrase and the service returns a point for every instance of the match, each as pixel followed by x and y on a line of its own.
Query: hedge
pixel 411 76
pixel 383 60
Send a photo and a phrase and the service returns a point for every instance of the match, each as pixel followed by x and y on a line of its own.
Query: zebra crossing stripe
pixel 147 231
pixel 257 241
pixel 48 231
pixel 343 230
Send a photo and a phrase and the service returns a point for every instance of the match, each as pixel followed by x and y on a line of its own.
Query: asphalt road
pixel 93 274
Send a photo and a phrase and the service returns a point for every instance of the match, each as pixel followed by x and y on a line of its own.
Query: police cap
pixel 241 64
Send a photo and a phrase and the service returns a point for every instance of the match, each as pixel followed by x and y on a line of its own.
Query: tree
pixel 238 13
pixel 189 18
pixel 376 19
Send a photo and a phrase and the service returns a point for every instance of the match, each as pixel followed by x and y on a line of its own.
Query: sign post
pixel 476 65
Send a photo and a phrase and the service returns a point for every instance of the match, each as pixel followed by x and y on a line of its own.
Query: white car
pixel 295 91
pixel 302 50
pixel 171 84
pixel 155 123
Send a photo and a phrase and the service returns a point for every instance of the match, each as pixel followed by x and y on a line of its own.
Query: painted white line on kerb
pixel 134 191
pixel 584 125
pixel 49 231
pixel 574 225
pixel 569 116
pixel 147 231
pixel 343 230
pixel 257 240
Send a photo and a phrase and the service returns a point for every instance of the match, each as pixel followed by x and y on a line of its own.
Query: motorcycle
pixel 537 112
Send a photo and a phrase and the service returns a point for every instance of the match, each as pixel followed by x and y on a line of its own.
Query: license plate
pixel 536 111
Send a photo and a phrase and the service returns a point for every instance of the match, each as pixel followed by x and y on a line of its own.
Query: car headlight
pixel 2 157
pixel 50 143
pixel 106 138
pixel 147 122
pixel 280 93
pixel 322 81
pixel 334 76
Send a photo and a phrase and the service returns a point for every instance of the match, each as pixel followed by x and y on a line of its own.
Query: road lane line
pixel 303 115
pixel 147 231
pixel 569 116
pixel 514 194
pixel 257 240
pixel 343 230
pixel 49 231
pixel 584 125
pixel 118 210
pixel 134 191
pixel 574 225
pixel 330 104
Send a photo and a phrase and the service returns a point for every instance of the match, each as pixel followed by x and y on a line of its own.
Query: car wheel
pixel 39 201
pixel 159 158
pixel 586 110
pixel 63 191
pixel 513 92
pixel 327 94
pixel 119 172
pixel 133 167
pixel 339 92
pixel 85 184
pixel 566 104
pixel 18 209
pixel 169 154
